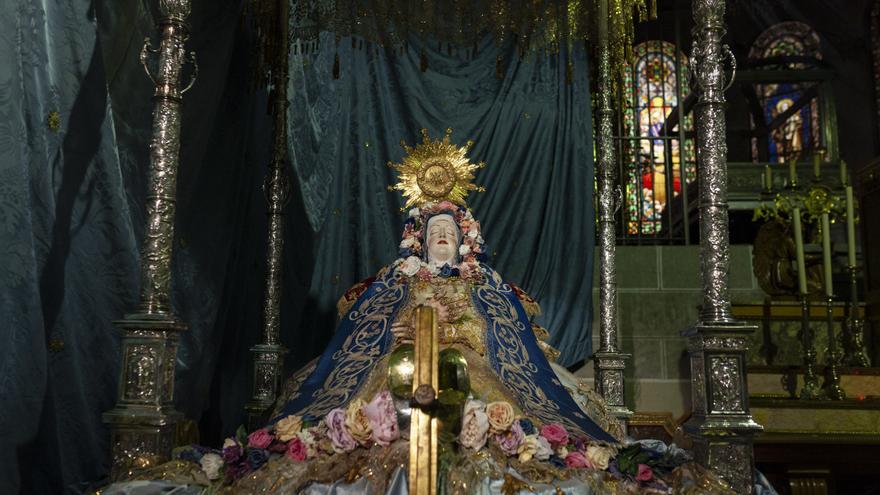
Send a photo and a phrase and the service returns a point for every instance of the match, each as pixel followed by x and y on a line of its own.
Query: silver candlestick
pixel 608 361
pixel 854 345
pixel 831 387
pixel 144 420
pixel 721 425
pixel 268 356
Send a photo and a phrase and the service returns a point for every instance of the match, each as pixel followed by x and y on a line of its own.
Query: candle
pixel 850 227
pixel 792 173
pixel 843 177
pixel 817 165
pixel 799 251
pixel 768 177
pixel 826 253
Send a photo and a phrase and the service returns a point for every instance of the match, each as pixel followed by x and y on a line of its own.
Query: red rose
pixel 297 450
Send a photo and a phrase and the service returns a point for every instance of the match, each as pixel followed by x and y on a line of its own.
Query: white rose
pixel 598 456
pixel 473 233
pixel 474 426
pixel 414 212
pixel 410 266
pixel 464 249
pixel 211 464
pixel 528 448
pixel 229 442
pixel 408 242
pixel 562 452
pixel 544 449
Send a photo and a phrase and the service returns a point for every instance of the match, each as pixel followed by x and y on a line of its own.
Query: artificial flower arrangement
pixel 366 424
pixel 411 261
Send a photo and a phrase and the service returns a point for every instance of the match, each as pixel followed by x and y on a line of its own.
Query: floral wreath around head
pixel 412 260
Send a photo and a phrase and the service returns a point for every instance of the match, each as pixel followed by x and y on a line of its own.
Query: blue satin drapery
pixel 71 206
pixel 531 127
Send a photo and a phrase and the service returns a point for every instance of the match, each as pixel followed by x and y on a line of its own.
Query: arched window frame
pixel 789 45
pixel 653 87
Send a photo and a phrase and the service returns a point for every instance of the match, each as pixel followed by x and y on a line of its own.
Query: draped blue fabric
pixel 530 126
pixel 71 220
pixel 364 337
pixel 67 248
pixel 71 206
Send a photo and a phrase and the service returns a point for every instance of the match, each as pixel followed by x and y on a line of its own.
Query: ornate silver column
pixel 269 355
pixel 608 361
pixel 721 425
pixel 144 421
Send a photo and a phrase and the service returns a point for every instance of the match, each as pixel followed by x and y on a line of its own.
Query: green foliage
pixel 241 435
pixel 628 459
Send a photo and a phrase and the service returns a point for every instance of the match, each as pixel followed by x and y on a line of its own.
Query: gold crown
pixel 435 171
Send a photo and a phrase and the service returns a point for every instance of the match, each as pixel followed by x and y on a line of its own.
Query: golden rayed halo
pixel 435 171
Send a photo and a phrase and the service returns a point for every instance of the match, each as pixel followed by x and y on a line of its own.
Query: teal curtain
pixel 531 126
pixel 75 116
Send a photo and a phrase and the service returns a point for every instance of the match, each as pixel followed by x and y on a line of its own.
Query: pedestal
pixel 721 425
pixel 144 422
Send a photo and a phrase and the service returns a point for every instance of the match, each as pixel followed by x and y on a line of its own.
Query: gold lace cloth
pixel 281 475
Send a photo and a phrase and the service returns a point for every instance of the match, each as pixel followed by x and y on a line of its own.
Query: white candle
pixel 843 178
pixel 768 177
pixel 799 251
pixel 850 227
pixel 826 254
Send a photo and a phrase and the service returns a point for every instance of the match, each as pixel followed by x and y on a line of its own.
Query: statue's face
pixel 442 239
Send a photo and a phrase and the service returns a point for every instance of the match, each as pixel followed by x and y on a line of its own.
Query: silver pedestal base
pixel 721 425
pixel 144 421
pixel 268 369
pixel 609 368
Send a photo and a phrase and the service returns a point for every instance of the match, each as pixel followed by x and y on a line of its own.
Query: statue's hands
pixel 402 331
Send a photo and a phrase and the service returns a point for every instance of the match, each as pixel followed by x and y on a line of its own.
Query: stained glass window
pixel 790 46
pixel 653 159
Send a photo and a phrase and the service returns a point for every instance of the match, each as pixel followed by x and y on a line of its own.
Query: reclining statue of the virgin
pixel 510 419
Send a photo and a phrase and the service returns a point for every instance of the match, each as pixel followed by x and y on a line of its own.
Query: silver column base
pixel 268 362
pixel 609 367
pixel 144 422
pixel 721 426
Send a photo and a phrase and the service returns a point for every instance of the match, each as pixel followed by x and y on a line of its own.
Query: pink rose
pixel 510 440
pixel 424 274
pixel 340 438
pixel 577 459
pixel 555 433
pixel 297 450
pixel 383 418
pixel 260 439
pixel 645 473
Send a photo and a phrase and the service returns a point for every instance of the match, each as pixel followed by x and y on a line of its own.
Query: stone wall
pixel 659 296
